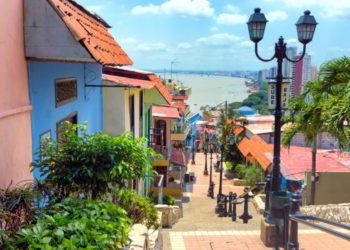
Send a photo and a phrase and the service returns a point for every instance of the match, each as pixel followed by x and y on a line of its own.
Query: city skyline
pixel 212 35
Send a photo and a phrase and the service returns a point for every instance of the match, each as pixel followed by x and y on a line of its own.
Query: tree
pixel 91 165
pixel 306 117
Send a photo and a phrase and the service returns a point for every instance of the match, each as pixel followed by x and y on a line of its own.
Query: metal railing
pixel 293 217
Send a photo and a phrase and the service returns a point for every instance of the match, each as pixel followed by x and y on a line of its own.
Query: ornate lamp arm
pixel 260 58
pixel 301 58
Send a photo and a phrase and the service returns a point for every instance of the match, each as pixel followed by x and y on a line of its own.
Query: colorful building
pixel 66 48
pixel 15 108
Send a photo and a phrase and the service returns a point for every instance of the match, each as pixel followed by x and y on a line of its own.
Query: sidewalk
pixel 202 229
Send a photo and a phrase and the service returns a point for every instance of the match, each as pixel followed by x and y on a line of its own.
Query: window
pixel 132 113
pixel 66 91
pixel 72 118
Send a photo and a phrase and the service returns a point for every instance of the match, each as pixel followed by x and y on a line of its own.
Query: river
pixel 212 90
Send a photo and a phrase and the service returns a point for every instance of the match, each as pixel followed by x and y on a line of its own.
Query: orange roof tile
pixel 163 90
pixel 180 105
pixel 237 130
pixel 92 32
pixel 165 112
pixel 128 82
pixel 258 149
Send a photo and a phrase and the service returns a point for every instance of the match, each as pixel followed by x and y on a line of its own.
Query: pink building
pixel 298 77
pixel 15 108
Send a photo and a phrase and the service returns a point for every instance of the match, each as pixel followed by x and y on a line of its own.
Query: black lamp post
pixel 306 27
pixel 206 140
pixel 221 167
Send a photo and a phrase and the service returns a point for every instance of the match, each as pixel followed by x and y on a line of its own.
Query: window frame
pixel 72 99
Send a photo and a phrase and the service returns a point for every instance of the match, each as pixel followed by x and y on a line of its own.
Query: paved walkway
pixel 202 229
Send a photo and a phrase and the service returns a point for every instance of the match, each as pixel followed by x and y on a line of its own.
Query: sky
pixel 213 35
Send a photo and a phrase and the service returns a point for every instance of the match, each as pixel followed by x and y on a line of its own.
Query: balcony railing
pixel 158 143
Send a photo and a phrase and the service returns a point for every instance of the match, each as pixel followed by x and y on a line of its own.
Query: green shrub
pixel 167 200
pixel 91 165
pixel 77 224
pixel 140 209
pixel 240 169
pixel 229 165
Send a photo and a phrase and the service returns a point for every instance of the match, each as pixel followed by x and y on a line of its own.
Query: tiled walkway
pixel 201 229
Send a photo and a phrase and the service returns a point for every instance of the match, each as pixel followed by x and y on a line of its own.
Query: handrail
pixel 305 219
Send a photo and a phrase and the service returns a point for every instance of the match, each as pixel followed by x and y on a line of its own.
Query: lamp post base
pixel 205 172
pixel 193 162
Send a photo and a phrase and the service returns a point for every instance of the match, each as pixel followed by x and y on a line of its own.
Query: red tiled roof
pixel 178 158
pixel 120 80
pixel 165 112
pixel 180 105
pixel 258 149
pixel 295 161
pixel 163 90
pixel 237 130
pixel 180 97
pixel 92 32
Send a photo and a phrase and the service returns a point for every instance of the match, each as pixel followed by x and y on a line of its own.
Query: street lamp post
pixel 206 140
pixel 211 184
pixel 221 168
pixel 306 27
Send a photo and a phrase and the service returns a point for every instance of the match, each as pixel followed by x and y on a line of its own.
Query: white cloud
pixel 246 43
pixel 292 41
pixel 231 19
pixel 232 8
pixel 277 15
pixel 185 7
pixel 328 8
pixel 222 39
pixel 184 46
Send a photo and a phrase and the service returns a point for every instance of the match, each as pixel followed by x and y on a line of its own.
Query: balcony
pixel 179 133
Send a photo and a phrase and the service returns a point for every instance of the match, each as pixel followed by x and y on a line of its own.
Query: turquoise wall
pixel 45 114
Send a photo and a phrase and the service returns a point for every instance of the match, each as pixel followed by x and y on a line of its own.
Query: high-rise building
pixel 314 72
pixel 273 72
pixel 288 67
pixel 302 74
pixel 263 75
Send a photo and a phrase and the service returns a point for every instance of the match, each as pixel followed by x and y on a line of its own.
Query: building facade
pixel 15 107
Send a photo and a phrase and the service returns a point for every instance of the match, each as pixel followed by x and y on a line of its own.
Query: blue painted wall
pixel 45 115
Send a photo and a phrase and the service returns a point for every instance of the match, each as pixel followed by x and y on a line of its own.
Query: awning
pixel 165 112
pixel 128 82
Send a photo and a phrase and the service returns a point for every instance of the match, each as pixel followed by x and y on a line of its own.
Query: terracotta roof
pixel 165 112
pixel 163 90
pixel 258 149
pixel 92 32
pixel 260 128
pixel 180 105
pixel 244 146
pixel 178 157
pixel 295 161
pixel 180 97
pixel 127 77
pixel 128 82
pixel 237 130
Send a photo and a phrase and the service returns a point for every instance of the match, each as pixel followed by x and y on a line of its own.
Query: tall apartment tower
pixel 288 67
pixel 263 75
pixel 303 74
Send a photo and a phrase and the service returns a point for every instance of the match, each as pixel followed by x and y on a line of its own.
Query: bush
pixel 229 165
pixel 91 165
pixel 167 200
pixel 251 174
pixel 140 209
pixel 16 210
pixel 77 224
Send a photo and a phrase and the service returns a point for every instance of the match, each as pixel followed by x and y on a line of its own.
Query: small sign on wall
pixel 272 95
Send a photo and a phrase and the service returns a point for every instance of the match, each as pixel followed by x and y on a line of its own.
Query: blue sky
pixel 212 34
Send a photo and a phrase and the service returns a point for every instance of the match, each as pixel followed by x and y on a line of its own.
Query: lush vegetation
pixel 323 107
pixel 167 200
pixel 91 165
pixel 76 224
pixel 140 209
pixel 251 174
pixel 82 205
pixel 256 101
